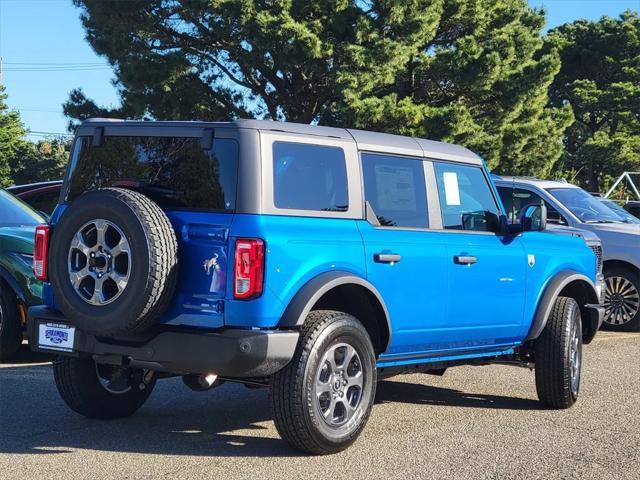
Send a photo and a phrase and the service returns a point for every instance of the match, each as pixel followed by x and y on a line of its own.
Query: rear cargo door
pixel 191 172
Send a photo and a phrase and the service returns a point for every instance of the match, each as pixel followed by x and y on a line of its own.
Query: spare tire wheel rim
pixel 99 262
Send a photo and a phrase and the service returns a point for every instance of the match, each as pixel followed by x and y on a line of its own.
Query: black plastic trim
pixel 551 292
pixel 302 303
pixel 225 352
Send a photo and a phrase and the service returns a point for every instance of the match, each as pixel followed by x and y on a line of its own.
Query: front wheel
pixel 622 299
pixel 558 355
pixel 101 391
pixel 322 399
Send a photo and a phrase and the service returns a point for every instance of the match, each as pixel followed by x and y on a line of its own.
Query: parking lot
pixel 474 422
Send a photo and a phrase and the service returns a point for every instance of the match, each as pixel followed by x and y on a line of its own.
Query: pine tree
pixel 466 71
pixel 600 79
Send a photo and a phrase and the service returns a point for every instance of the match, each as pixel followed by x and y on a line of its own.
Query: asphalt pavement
pixel 474 422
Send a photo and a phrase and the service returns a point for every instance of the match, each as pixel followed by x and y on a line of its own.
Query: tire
pixel 558 355
pixel 138 283
pixel 10 327
pixel 79 386
pixel 622 299
pixel 298 405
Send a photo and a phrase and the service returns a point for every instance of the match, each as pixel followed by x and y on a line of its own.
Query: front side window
pixel 395 189
pixel 514 199
pixel 309 177
pixel 175 172
pixel 466 200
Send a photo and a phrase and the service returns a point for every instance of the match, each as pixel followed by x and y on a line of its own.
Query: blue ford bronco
pixel 310 260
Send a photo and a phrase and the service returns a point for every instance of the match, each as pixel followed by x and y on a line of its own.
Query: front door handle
pixel 386 257
pixel 464 260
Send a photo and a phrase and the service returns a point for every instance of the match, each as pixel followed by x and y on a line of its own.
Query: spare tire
pixel 113 261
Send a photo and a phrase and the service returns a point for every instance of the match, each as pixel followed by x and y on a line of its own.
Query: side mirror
pixel 533 218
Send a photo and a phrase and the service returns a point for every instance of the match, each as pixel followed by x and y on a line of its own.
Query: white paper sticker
pixel 56 336
pixel 451 190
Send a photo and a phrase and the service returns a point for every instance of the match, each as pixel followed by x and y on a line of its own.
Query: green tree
pixel 11 137
pixel 600 78
pixel 469 71
pixel 40 161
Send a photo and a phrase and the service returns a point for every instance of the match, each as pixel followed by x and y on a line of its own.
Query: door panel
pixel 486 298
pixel 486 283
pixel 405 261
pixel 413 288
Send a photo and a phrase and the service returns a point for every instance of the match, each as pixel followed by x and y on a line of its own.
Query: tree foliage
pixel 600 78
pixel 468 71
pixel 39 161
pixel 22 161
pixel 11 137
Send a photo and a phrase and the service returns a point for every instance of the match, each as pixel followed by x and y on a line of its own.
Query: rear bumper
pixel 225 352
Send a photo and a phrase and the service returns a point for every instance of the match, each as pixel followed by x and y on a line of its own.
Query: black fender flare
pixel 304 300
pixel 552 292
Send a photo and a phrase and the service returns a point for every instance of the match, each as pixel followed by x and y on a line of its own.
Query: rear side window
pixel 395 189
pixel 175 172
pixel 309 177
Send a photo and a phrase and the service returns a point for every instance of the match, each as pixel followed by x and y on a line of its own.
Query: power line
pixel 49 134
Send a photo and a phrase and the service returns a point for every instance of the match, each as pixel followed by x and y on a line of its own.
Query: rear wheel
pixel 10 326
pixel 323 398
pixel 101 391
pixel 558 355
pixel 622 299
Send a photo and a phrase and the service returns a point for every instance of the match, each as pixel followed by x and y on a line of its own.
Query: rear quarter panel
pixel 297 249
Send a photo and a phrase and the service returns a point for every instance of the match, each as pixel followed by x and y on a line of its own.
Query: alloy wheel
pixel 339 383
pixel 621 301
pixel 99 262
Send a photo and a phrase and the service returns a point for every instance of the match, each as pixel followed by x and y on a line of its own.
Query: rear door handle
pixel 464 260
pixel 386 257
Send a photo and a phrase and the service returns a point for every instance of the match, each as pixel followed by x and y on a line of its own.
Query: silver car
pixel 570 206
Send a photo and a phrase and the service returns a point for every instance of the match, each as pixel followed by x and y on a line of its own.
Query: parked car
pixel 306 259
pixel 569 205
pixel 41 196
pixel 19 288
pixel 625 215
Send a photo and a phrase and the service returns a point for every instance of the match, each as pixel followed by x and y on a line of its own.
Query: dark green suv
pixel 19 289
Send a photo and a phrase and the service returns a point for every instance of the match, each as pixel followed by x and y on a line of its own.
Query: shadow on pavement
pixel 227 421
pixel 416 393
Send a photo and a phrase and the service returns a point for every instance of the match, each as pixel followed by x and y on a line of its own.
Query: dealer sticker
pixel 56 336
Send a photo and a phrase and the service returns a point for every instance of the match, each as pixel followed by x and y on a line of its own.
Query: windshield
pixel 14 212
pixel 620 211
pixel 585 206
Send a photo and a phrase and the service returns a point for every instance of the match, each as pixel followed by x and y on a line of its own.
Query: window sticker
pixel 451 190
pixel 396 188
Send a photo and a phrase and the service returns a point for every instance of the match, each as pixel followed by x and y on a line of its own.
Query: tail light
pixel 248 269
pixel 40 250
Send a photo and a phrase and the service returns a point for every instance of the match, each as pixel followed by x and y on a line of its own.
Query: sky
pixel 45 55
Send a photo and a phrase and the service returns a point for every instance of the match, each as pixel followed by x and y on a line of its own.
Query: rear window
pixel 309 177
pixel 175 172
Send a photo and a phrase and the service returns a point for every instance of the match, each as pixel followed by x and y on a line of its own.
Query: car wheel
pixel 558 355
pixel 10 327
pixel 323 398
pixel 622 299
pixel 99 390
